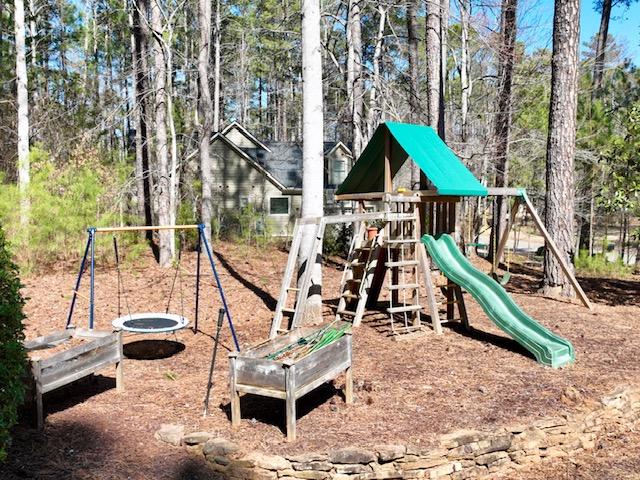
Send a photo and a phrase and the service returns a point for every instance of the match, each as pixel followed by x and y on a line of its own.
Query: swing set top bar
pixel 135 228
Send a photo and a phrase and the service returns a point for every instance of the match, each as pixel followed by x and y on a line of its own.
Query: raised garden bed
pixel 97 350
pixel 252 371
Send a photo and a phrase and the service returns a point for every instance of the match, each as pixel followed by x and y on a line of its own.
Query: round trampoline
pixel 150 322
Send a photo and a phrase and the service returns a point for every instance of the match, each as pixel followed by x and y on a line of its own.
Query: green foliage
pixel 247 225
pixel 622 190
pixel 12 355
pixel 187 216
pixel 64 202
pixel 336 240
pixel 599 265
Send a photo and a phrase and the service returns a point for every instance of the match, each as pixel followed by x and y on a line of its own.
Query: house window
pixel 279 206
pixel 244 201
pixel 339 171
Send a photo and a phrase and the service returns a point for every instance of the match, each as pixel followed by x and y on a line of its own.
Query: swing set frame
pixel 89 254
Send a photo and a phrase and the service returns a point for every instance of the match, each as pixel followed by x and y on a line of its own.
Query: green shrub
pixel 247 225
pixel 64 202
pixel 337 239
pixel 598 264
pixel 12 354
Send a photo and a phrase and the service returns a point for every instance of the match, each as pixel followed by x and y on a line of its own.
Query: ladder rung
pixel 346 312
pixel 357 263
pixel 288 310
pixel 293 289
pixel 405 263
pixel 350 295
pixel 407 240
pixel 452 302
pixel 403 287
pixel 354 280
pixel 406 308
pixel 283 330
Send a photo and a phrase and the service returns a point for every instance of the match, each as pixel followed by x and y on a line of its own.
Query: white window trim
pixel 281 214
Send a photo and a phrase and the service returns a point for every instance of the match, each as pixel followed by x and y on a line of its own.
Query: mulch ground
pixel 406 391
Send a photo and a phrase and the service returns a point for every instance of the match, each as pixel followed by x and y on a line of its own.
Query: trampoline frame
pixel 89 254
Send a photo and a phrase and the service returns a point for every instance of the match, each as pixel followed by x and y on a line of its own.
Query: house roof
pixel 439 163
pixel 283 160
pixel 245 132
pixel 254 163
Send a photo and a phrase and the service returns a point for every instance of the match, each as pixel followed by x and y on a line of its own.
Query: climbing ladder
pixel 357 275
pixel 402 242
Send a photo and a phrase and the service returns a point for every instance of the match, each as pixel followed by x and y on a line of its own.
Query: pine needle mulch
pixel 407 391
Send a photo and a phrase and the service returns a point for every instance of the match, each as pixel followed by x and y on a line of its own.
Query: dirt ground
pixel 406 391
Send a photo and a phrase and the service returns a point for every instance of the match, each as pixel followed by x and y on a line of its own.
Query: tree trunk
pixel 444 33
pixel 559 200
pixel 143 175
pixel 414 96
pixel 22 100
pixel 374 93
pixel 312 145
pixel 603 33
pixel 174 174
pixel 33 41
pixel 354 75
pixel 163 186
pixel 465 83
pixel 586 227
pixel 506 59
pixel 216 69
pixel 434 71
pixel 206 114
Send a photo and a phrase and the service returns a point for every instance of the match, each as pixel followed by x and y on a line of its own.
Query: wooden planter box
pixel 289 380
pixel 101 349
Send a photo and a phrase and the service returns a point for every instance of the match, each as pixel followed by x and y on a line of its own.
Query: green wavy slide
pixel 548 348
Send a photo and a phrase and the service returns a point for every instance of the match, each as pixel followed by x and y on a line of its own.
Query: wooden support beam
pixel 505 235
pixel 505 192
pixel 556 251
pixel 139 228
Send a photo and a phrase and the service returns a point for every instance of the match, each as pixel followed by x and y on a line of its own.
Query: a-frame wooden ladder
pixel 296 311
pixel 357 275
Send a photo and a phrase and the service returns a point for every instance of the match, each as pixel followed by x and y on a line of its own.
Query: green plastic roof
pixel 442 167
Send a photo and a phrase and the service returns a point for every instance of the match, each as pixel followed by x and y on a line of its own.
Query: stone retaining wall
pixel 458 455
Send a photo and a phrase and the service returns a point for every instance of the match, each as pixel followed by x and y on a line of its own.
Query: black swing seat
pixel 152 322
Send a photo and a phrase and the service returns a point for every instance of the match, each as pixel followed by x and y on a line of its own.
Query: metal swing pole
pixel 92 238
pixel 77 287
pixel 215 274
pixel 198 250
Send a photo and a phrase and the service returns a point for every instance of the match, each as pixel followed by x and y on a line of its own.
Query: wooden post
pixel 120 367
pixel 505 235
pixel 37 394
pixel 348 385
pixel 554 249
pixel 235 395
pixel 462 308
pixel 290 386
pixel 428 284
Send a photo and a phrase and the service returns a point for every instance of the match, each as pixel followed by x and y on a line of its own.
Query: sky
pixel 624 25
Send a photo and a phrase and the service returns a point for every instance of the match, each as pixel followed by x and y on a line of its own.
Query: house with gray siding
pixel 268 175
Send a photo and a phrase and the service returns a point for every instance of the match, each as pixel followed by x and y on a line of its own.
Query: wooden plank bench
pixel 251 372
pixel 101 349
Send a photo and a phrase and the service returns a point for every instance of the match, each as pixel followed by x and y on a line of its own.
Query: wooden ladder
pixel 357 276
pixel 403 258
pixel 285 306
